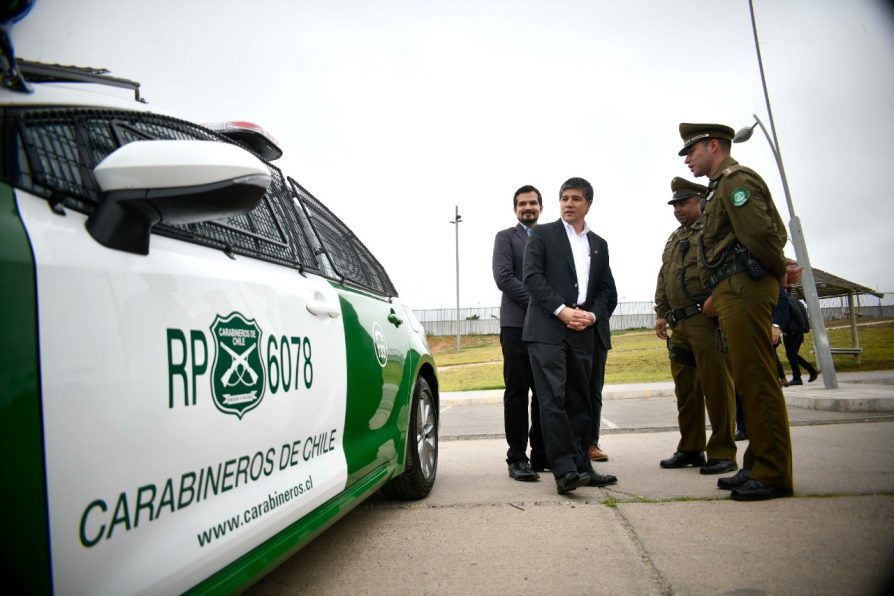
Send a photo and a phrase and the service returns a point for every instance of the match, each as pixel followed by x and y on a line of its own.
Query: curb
pixel 849 397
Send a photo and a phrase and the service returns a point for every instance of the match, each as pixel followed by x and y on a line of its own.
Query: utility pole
pixel 456 221
pixel 808 283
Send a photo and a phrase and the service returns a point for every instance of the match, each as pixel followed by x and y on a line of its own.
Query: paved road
pixel 655 532
pixel 653 414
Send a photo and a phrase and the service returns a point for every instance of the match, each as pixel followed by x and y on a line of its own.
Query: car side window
pixel 349 258
pixel 57 150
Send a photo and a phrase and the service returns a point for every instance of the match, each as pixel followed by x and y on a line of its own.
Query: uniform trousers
pixel 744 307
pixel 518 379
pixel 562 380
pixel 707 384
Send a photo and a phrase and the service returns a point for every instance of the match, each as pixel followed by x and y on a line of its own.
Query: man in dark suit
pixel 509 252
pixel 568 278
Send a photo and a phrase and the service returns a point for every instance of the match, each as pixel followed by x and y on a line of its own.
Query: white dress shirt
pixel 580 250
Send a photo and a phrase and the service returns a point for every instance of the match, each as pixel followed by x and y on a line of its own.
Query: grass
pixel 475 349
pixel 637 356
pixel 877 342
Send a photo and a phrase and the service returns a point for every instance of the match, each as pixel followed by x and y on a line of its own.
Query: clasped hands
pixel 576 319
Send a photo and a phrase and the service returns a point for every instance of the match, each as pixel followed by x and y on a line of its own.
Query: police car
pixel 203 366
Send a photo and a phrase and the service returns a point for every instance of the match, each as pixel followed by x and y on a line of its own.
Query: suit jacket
pixel 509 254
pixel 551 280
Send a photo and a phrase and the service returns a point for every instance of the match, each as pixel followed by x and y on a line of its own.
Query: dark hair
pixel 578 184
pixel 725 144
pixel 523 190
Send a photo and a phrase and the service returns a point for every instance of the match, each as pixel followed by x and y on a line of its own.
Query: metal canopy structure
pixel 832 286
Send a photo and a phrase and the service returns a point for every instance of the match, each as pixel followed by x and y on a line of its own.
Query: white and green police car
pixel 203 368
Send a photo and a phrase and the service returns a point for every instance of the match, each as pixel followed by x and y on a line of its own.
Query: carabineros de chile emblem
pixel 739 196
pixel 237 378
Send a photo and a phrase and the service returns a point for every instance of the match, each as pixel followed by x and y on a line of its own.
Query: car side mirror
pixel 172 181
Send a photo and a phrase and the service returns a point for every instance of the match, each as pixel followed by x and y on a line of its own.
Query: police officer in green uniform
pixel 700 377
pixel 741 261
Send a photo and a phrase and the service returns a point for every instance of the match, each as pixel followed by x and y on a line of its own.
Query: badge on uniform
pixel 739 196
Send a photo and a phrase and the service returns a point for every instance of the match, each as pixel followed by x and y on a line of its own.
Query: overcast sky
pixel 393 112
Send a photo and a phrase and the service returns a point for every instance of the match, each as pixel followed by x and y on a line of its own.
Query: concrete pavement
pixel 651 407
pixel 655 532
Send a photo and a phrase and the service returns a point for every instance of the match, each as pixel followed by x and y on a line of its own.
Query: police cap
pixel 683 189
pixel 693 133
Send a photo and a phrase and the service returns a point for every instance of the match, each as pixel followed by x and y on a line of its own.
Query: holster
pixel 680 356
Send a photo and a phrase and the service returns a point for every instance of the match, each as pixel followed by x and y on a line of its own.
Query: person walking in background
pixel 569 281
pixel 509 252
pixel 793 337
pixel 742 263
pixel 700 376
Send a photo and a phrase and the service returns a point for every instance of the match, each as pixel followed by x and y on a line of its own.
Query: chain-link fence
pixel 629 315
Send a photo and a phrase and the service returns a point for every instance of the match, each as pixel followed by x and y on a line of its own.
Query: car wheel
pixel 422 450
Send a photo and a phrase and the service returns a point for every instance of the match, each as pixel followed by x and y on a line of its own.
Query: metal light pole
pixel 456 221
pixel 808 283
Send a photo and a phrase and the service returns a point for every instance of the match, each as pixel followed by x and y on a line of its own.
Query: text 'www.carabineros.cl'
pixel 254 512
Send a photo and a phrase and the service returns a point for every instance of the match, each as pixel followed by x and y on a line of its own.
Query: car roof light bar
pixel 39 72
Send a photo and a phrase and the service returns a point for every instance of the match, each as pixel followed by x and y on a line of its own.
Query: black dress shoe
pixel 597 479
pixel 796 382
pixel 731 482
pixel 755 490
pixel 521 470
pixel 681 459
pixel 569 481
pixel 741 435
pixel 718 466
pixel 813 376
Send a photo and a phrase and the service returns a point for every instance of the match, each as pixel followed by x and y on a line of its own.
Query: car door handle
pixel 321 307
pixel 394 320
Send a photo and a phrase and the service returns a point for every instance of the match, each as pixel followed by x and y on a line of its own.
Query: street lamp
pixel 456 221
pixel 808 283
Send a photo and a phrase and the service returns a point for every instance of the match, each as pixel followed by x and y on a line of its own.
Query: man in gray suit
pixel 509 252
pixel 571 288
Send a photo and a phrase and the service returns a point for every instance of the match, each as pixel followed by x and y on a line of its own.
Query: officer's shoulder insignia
pixel 739 196
pixel 731 170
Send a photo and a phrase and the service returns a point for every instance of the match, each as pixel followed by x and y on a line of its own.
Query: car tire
pixel 421 468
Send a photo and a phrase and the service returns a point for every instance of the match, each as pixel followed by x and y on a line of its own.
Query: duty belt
pixel 725 270
pixel 678 314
